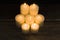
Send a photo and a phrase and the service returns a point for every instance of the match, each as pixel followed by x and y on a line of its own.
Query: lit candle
pixel 34 27
pixel 29 19
pixel 24 9
pixel 39 19
pixel 25 27
pixel 19 18
pixel 34 9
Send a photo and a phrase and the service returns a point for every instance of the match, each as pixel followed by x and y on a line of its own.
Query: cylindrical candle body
pixel 25 27
pixel 19 18
pixel 29 19
pixel 34 27
pixel 39 18
pixel 34 9
pixel 24 9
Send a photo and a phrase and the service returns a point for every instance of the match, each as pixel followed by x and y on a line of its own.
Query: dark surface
pixel 8 30
pixel 49 31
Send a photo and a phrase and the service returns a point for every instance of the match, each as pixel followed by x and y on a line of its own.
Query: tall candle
pixel 34 9
pixel 29 19
pixel 19 18
pixel 34 27
pixel 24 9
pixel 39 18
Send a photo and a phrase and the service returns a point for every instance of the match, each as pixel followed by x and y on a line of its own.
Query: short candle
pixel 39 18
pixel 29 19
pixel 34 27
pixel 25 27
pixel 19 18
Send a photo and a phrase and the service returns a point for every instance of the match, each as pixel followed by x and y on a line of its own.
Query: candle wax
pixel 39 18
pixel 24 9
pixel 29 19
pixel 19 18
pixel 34 9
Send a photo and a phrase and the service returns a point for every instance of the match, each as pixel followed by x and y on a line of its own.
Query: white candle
pixel 34 27
pixel 24 9
pixel 25 27
pixel 29 19
pixel 34 9
pixel 19 18
pixel 39 18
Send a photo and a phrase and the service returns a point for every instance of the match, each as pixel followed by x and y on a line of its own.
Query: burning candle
pixel 25 27
pixel 24 9
pixel 29 19
pixel 34 9
pixel 39 18
pixel 19 18
pixel 34 27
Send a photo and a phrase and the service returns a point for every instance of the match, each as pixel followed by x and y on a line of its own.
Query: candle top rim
pixel 34 4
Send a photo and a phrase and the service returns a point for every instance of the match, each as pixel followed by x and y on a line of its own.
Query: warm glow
pixel 25 4
pixel 19 18
pixel 34 9
pixel 24 9
pixel 34 4
pixel 34 27
pixel 29 19
pixel 39 19
pixel 25 27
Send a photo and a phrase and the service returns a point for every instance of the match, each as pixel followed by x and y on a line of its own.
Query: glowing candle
pixel 34 9
pixel 25 27
pixel 34 27
pixel 19 18
pixel 39 18
pixel 29 19
pixel 24 9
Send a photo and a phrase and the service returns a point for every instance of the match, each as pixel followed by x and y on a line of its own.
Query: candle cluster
pixel 29 17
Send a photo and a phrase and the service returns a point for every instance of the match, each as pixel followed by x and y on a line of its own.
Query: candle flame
pixel 24 3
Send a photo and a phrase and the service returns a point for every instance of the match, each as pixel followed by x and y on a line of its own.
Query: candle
pixel 39 19
pixel 25 27
pixel 24 9
pixel 19 18
pixel 29 19
pixel 34 27
pixel 34 9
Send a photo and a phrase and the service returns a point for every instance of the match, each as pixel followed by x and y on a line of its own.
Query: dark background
pixel 50 30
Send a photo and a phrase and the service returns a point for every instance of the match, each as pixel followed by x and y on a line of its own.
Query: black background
pixel 45 7
pixel 50 30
